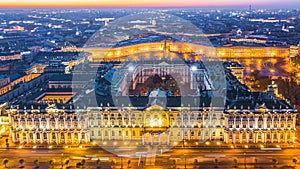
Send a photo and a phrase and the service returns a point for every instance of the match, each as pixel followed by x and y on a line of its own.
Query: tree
pixel 128 163
pixel 195 163
pixel 82 163
pixel 255 160
pixel 21 161
pixel 216 162
pixel 51 163
pixel 235 161
pixel 275 162
pixel 98 162
pixel 36 163
pixel 295 160
pixel 67 161
pixel 5 161
pixel 113 163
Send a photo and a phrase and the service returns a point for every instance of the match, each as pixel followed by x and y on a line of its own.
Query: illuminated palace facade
pixel 48 124
pixel 158 117
pixel 223 52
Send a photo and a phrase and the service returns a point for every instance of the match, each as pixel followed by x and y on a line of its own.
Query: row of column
pixel 264 123
pixel 238 137
pixel 58 137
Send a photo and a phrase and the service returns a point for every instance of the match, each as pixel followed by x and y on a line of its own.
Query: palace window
pixel 120 116
pixel 268 136
pixel 214 116
pixel 244 136
pixel 259 125
pixel 112 133
pixel 250 135
pixel 192 116
pixel 199 116
pixel 105 117
pixel 192 133
pixel 259 136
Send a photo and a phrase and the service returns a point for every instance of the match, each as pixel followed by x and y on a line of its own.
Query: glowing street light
pixel 131 68
pixel 194 68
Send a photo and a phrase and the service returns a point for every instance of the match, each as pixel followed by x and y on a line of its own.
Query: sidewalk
pixel 137 145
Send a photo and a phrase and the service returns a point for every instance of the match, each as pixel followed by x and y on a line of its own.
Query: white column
pixel 27 137
pixel 265 122
pixel 255 122
pixel 79 137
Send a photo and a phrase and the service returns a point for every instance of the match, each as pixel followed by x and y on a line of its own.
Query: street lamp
pixel 185 161
pixel 121 163
pixel 245 164
pixel 62 163
pixel 245 161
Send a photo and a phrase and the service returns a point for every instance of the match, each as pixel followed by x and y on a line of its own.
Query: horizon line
pixel 147 6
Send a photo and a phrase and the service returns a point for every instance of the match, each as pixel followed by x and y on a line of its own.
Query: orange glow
pixel 116 3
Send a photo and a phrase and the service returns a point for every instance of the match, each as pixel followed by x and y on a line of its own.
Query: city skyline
pixel 148 3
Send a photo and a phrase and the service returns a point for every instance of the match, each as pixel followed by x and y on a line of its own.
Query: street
pixel 175 158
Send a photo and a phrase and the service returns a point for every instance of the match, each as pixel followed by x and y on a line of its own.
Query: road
pixel 153 157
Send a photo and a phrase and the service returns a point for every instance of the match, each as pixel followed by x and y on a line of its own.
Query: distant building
pixel 4 80
pixel 4 121
pixel 236 69
pixel 9 56
pixel 57 68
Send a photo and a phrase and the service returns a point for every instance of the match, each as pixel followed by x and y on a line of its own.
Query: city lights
pixel 149 87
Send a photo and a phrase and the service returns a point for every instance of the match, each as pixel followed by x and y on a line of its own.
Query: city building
pixel 159 118
pixel 50 124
